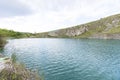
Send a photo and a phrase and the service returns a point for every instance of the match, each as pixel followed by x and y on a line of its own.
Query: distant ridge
pixel 14 34
pixel 105 28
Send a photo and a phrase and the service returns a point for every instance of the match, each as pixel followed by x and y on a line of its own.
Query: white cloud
pixel 55 14
pixel 10 8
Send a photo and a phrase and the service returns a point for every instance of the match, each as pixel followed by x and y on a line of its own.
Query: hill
pixel 105 28
pixel 14 34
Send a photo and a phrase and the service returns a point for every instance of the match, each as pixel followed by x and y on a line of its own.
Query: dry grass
pixel 17 71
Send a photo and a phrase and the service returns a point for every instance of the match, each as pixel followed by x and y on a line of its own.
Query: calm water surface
pixel 69 59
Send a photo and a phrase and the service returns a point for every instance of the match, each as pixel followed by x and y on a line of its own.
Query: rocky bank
pixel 104 28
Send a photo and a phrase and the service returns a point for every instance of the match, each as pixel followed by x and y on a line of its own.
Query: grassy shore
pixel 11 69
pixel 16 71
pixel 2 41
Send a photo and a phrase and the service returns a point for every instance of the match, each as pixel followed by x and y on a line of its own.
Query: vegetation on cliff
pixel 102 27
pixel 105 27
pixel 16 71
pixel 14 34
pixel 10 69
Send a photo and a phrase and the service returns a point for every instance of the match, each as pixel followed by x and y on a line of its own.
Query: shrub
pixel 17 71
pixel 2 41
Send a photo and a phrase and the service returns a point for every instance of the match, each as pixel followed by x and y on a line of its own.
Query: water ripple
pixel 69 59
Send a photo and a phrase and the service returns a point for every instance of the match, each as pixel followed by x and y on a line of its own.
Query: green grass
pixel 113 30
pixel 13 58
pixel 91 32
pixel 14 34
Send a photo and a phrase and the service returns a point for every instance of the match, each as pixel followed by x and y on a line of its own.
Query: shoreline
pixel 10 70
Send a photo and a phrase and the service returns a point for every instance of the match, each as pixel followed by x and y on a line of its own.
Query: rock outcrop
pixel 69 32
pixel 105 28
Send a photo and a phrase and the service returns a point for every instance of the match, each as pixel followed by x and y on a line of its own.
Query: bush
pixel 2 41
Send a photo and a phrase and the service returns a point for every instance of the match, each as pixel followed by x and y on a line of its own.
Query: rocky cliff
pixel 105 28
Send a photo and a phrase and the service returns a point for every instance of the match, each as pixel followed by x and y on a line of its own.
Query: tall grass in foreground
pixel 17 71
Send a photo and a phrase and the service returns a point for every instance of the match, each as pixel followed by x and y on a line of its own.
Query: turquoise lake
pixel 69 59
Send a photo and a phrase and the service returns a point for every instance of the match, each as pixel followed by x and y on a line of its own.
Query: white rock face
pixel 69 32
pixel 2 66
pixel 94 29
pixel 3 62
pixel 53 33
pixel 114 23
pixel 76 31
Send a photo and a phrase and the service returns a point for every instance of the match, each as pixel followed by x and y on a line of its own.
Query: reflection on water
pixel 69 59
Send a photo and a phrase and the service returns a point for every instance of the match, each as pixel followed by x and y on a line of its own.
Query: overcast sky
pixel 46 15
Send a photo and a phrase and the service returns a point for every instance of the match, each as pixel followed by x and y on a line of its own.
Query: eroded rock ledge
pixel 15 71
